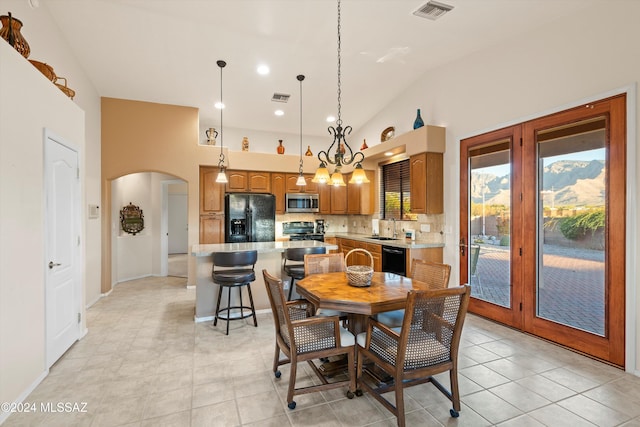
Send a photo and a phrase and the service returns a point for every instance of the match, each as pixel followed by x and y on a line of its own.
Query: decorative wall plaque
pixel 131 219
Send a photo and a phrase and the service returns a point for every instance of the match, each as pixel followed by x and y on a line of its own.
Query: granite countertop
pixel 261 247
pixel 399 243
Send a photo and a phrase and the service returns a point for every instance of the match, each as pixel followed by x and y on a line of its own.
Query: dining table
pixel 387 292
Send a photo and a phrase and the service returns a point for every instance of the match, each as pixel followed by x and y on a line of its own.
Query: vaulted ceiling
pixel 166 51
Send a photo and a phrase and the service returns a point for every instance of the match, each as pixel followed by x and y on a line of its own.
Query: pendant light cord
pixel 300 78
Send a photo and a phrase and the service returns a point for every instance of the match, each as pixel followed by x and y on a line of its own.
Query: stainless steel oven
pixel 394 260
pixel 302 202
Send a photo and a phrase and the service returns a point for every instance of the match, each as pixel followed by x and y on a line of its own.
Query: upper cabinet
pixel 292 187
pixel 426 171
pixel 361 197
pixel 278 187
pixel 211 193
pixel 252 182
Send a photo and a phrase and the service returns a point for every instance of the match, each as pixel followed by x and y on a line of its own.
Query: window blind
pixel 395 194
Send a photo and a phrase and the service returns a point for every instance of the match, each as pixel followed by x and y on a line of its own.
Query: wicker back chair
pixel 302 337
pixel 434 274
pixel 323 263
pixel 426 345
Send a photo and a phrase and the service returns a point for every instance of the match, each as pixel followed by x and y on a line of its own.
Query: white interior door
pixel 178 221
pixel 62 219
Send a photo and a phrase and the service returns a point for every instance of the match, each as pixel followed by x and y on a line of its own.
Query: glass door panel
pixel 571 217
pixel 490 224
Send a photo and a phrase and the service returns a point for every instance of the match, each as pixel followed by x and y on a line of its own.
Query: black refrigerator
pixel 249 217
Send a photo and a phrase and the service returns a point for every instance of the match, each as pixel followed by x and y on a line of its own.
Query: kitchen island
pixel 269 257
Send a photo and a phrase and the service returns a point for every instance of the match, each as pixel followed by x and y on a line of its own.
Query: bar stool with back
pixel 237 272
pixel 295 270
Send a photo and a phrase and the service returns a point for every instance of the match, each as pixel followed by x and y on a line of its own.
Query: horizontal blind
pixel 395 191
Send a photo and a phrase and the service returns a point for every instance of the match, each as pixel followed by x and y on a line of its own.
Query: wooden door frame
pixel 511 316
pixel 611 347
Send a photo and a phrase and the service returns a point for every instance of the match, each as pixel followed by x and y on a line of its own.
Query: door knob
pixel 53 264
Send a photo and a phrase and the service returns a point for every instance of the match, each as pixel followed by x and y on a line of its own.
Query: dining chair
pixel 293 263
pixel 325 263
pixel 304 337
pixel 426 345
pixel 434 274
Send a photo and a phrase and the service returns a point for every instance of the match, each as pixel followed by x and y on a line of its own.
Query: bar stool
pixel 238 272
pixel 296 270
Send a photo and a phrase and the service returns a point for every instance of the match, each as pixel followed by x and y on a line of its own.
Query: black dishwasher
pixel 393 260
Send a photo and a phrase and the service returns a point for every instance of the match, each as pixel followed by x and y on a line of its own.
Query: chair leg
pixel 241 304
pixel 253 309
pixel 291 288
pixel 276 359
pixel 400 403
pixel 292 382
pixel 455 393
pixel 229 310
pixel 215 315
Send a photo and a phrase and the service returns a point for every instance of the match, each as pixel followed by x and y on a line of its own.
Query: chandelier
pixel 339 152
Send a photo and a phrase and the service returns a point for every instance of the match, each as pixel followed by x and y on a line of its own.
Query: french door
pixel 542 226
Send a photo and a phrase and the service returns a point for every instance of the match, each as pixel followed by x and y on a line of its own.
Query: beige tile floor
pixel 145 362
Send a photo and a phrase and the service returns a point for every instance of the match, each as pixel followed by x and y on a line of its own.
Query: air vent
pixel 280 97
pixel 432 10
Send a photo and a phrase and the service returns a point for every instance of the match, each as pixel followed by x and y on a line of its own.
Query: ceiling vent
pixel 432 10
pixel 280 97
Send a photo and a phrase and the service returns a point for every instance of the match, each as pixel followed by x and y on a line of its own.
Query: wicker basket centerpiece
pixel 359 275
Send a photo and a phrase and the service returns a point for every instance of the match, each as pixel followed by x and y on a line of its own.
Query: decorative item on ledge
pixel 309 152
pixel 132 219
pixel 418 123
pixel 364 145
pixel 212 134
pixel 67 91
pixel 10 31
pixel 245 143
pixel 280 147
pixel 387 134
pixel 45 69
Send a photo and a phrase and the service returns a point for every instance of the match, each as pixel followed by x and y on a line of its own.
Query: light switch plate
pixel 425 227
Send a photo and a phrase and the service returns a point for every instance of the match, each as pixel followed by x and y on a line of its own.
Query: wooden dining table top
pixel 388 291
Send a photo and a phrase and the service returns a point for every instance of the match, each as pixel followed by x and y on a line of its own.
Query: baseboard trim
pixel 24 394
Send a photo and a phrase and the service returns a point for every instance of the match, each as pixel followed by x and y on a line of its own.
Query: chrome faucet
pixel 395 231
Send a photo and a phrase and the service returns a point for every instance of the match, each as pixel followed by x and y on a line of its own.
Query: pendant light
pixel 336 154
pixel 301 181
pixel 222 176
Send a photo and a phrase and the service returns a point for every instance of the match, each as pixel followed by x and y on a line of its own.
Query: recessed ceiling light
pixel 388 153
pixel 331 119
pixel 263 70
pixel 219 105
pixel 279 113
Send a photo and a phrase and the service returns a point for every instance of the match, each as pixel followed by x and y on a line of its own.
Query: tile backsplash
pixel 362 224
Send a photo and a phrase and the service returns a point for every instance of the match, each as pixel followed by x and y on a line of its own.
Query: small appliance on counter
pixel 249 217
pixel 320 226
pixel 301 230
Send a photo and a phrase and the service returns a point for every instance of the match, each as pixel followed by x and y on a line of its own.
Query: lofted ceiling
pixel 165 51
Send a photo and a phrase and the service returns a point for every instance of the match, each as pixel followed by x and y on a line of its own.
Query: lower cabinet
pixel 211 229
pixel 332 241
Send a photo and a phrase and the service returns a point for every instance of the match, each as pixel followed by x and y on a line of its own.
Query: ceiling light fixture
pixel 222 176
pixel 301 181
pixel 279 113
pixel 342 153
pixel 263 70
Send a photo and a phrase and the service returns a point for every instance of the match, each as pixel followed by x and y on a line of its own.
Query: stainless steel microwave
pixel 302 202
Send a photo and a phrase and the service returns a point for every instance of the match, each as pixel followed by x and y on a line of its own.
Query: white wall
pixel 561 64
pixel 47 45
pixel 29 103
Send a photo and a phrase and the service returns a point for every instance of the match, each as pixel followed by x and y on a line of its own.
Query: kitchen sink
pixel 382 238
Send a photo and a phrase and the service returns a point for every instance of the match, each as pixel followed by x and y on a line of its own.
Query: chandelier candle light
pixel 222 176
pixel 342 153
pixel 301 181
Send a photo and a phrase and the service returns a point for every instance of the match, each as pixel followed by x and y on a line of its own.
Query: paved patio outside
pixel 571 291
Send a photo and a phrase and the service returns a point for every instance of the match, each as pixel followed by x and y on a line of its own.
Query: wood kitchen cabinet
pixel 211 229
pixel 338 199
pixel 361 197
pixel 245 181
pixel 278 188
pixel 427 186
pixel 292 187
pixel 211 206
pixel 332 241
pixel 425 254
pixel 211 192
pixel 324 196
